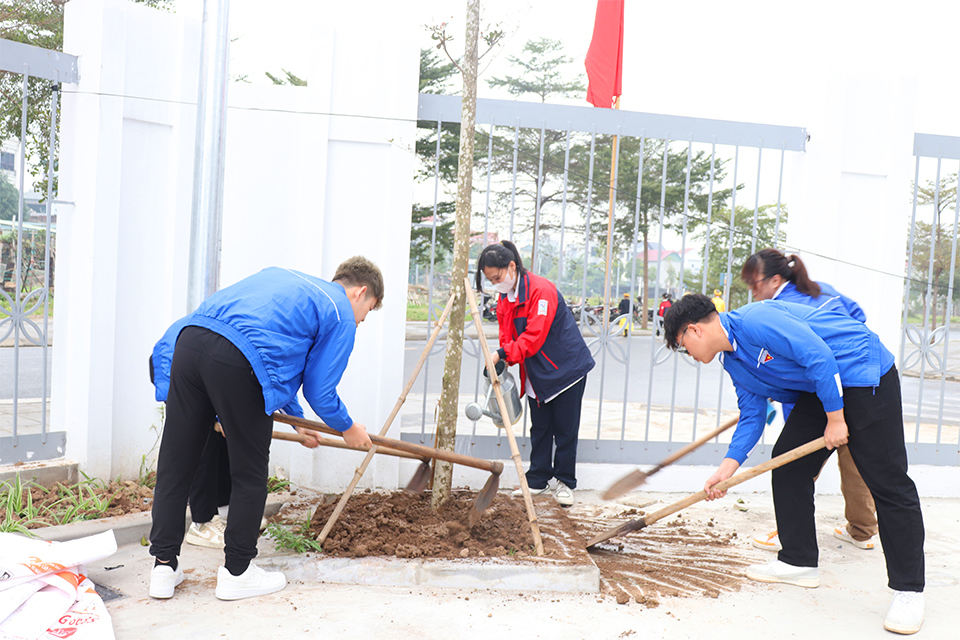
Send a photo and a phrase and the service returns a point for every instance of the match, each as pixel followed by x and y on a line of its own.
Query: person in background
pixel 773 276
pixel 539 334
pixel 665 305
pixel 718 300
pixel 624 306
pixel 845 389
pixel 242 355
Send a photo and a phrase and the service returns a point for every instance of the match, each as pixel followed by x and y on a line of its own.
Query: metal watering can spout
pixel 490 407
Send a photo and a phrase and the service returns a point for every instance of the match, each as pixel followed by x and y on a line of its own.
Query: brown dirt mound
pixel 404 524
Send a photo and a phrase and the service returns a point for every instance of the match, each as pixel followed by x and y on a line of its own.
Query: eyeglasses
pixel 680 347
pixel 754 283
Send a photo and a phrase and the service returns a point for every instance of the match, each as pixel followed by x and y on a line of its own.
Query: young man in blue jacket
pixel 243 354
pixel 846 389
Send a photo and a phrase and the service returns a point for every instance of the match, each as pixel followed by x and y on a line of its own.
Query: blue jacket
pixel 294 329
pixel 538 332
pixel 782 348
pixel 829 298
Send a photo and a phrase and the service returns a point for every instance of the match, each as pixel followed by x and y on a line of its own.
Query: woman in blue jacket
pixel 773 276
pixel 538 332
pixel 845 388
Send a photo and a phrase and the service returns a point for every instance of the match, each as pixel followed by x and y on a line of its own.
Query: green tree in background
pixel 38 23
pixel 651 186
pixel 938 235
pixel 743 247
pixel 435 77
pixel 540 70
pixel 9 199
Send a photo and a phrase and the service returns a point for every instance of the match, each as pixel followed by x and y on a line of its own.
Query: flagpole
pixel 606 280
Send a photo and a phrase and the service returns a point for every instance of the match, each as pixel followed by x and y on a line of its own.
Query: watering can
pixel 490 408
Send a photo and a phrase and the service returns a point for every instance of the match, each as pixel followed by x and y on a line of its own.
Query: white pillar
pixel 851 192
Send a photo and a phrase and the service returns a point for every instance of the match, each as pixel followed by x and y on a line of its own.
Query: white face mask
pixel 505 286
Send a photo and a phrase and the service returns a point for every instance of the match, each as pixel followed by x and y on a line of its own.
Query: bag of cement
pixel 43 593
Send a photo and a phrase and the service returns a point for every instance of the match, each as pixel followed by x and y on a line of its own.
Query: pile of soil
pixel 404 525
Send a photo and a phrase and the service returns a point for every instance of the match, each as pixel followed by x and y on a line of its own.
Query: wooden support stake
pixel 504 416
pixel 386 426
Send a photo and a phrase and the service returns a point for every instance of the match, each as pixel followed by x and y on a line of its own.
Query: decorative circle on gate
pixel 18 316
pixel 925 348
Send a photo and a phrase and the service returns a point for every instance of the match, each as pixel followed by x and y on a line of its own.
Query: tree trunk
pixel 450 392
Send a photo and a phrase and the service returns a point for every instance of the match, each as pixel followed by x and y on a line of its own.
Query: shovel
pixel 636 478
pixel 779 461
pixel 416 485
pixel 484 497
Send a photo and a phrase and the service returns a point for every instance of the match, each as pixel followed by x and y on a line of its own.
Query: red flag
pixel 605 57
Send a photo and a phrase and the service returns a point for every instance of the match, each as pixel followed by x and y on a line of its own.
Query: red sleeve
pixel 541 308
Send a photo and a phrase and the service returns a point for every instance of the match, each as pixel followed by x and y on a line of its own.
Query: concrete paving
pixel 850 603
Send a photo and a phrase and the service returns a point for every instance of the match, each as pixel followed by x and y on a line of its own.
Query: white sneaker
pixel 164 579
pixel 207 534
pixel 564 495
pixel 777 571
pixel 768 541
pixel 518 492
pixel 252 582
pixel 906 613
pixel 841 534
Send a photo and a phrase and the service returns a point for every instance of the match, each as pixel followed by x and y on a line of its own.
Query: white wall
pixel 302 189
pixel 851 191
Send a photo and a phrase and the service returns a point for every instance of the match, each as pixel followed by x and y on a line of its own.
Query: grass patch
pixel 294 537
pixel 276 485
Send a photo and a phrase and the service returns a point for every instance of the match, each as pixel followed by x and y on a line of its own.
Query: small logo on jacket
pixel 542 308
pixel 764 357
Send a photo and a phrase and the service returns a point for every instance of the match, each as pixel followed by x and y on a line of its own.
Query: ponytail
pixel 498 256
pixel 799 277
pixel 771 262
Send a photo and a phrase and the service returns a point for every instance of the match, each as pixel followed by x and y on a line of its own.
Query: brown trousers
pixel 859 509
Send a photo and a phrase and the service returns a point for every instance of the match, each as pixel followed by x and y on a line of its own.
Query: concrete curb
pixel 489 574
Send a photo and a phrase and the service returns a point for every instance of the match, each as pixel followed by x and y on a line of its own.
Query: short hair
pixel 689 309
pixel 360 272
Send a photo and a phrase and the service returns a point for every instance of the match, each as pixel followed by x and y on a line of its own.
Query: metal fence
pixel 553 178
pixel 929 349
pixel 25 297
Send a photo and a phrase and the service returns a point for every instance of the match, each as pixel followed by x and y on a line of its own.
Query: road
pixel 674 380
pixel 30 372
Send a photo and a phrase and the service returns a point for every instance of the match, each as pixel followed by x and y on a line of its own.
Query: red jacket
pixel 538 332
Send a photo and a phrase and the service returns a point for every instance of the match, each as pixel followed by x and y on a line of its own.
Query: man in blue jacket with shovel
pixel 243 354
pixel 846 389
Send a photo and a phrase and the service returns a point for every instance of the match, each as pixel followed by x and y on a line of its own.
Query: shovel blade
pixel 627 483
pixel 421 477
pixel 484 498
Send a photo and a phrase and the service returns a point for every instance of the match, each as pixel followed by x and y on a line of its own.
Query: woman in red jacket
pixel 538 332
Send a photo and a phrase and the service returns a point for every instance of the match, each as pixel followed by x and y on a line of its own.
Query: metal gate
pixel 550 172
pixel 26 294
pixel 929 349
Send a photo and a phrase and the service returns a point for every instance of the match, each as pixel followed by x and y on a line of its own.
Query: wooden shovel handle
pixel 696 444
pixel 418 450
pixel 773 463
pixel 339 444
